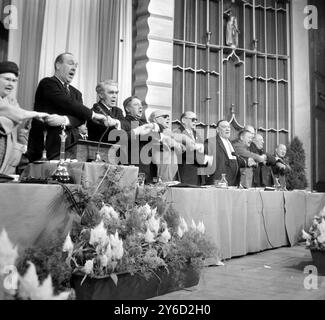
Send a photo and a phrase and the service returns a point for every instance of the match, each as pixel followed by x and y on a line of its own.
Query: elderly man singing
pixel 56 96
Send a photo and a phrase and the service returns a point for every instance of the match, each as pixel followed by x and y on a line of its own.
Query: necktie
pixel 66 88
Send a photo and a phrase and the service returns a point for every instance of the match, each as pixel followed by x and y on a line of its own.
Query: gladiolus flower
pixel 88 267
pixel 8 253
pixel 180 232
pixel 165 236
pixel 68 244
pixel 146 210
pixel 154 224
pixel 103 261
pixel 30 287
pixel 108 212
pixel 149 236
pixel 201 227
pixel 193 225
pixel 108 252
pixel 99 235
pixel 183 225
pixel 117 246
pixel 305 235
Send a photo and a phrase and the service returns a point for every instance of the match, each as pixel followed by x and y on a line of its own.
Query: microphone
pixel 98 157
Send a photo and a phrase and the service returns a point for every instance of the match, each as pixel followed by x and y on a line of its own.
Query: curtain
pixel 4 33
pixel 72 26
pixel 109 39
pixel 125 53
pixel 24 47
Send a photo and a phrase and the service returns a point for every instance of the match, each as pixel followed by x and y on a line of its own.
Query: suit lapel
pixel 222 145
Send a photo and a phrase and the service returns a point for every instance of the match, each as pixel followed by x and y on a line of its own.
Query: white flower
pixel 321 227
pixel 146 210
pixel 321 239
pixel 68 244
pixel 103 261
pixel 99 235
pixel 88 267
pixel 149 236
pixel 154 224
pixel 8 253
pixel 117 246
pixel 322 213
pixel 180 232
pixel 193 226
pixel 108 252
pixel 183 225
pixel 305 235
pixel 30 287
pixel 108 212
pixel 201 227
pixel 165 236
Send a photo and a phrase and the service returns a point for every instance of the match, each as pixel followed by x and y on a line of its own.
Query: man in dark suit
pixel 139 133
pixel 107 92
pixel 193 157
pixel 57 97
pixel 224 158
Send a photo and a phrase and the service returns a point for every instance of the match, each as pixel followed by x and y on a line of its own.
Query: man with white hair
pixel 281 168
pixel 107 92
pixel 262 173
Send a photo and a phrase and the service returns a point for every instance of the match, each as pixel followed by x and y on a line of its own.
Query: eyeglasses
pixel 192 119
pixel 165 116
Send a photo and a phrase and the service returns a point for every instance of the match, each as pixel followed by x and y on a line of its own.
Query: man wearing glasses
pixel 107 92
pixel 193 157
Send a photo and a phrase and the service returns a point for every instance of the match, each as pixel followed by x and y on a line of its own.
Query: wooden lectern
pixel 86 151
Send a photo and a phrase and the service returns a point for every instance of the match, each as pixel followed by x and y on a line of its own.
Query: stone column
pixel 153 68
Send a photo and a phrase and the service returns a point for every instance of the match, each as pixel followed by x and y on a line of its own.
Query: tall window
pixel 231 61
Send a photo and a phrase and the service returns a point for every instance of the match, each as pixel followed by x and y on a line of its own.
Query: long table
pixel 246 221
pixel 237 221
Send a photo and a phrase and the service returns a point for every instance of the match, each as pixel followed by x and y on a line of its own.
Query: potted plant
pixel 315 241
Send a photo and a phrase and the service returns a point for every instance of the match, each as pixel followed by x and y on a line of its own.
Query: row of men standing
pixel 181 154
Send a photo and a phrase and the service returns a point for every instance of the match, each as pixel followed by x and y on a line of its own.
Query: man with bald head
pixel 262 173
pixel 56 96
pixel 281 167
pixel 225 160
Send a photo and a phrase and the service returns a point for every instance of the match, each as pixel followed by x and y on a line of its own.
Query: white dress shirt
pixel 229 148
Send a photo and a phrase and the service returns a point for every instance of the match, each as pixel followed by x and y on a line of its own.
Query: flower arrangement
pixel 112 235
pixel 315 238
pixel 136 241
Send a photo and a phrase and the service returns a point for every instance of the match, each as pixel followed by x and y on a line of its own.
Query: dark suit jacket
pixel 95 130
pixel 262 174
pixel 134 148
pixel 52 98
pixel 221 163
pixel 191 161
